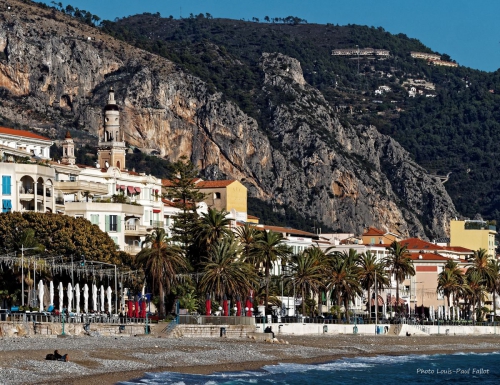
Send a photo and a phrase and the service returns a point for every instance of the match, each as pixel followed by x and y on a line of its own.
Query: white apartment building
pixel 125 204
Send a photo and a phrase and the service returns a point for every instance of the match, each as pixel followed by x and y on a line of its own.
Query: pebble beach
pixel 108 360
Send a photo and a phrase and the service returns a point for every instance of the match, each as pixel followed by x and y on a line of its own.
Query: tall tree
pixel 477 290
pixel 480 263
pixel 400 264
pixel 248 237
pixel 494 267
pixel 161 261
pixel 182 190
pixel 369 267
pixel 343 278
pixel 307 272
pixel 224 272
pixel 271 249
pixel 212 227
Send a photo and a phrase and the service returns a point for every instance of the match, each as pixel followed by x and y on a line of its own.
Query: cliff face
pixel 55 72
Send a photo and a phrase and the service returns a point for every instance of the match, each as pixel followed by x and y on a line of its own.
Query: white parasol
pixel 103 294
pixel 77 298
pixel 85 298
pixel 70 296
pixel 51 291
pixel 94 297
pixel 108 292
pixel 61 297
pixel 40 294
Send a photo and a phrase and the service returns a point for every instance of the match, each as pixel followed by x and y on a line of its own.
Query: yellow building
pixel 228 195
pixel 473 234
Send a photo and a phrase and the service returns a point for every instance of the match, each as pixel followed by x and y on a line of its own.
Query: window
pixel 217 195
pixel 113 223
pixel 72 178
pixel 6 206
pixel 94 219
pixel 6 188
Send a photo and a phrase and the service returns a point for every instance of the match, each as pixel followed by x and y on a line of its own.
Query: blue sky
pixel 467 30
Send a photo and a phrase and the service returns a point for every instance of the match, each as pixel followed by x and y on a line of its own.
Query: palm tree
pixel 448 284
pixel 476 287
pixel 369 267
pixel 453 288
pixel 161 262
pixel 480 263
pixel 343 278
pixel 225 272
pixel 494 267
pixel 400 264
pixel 213 226
pixel 307 272
pixel 248 237
pixel 270 250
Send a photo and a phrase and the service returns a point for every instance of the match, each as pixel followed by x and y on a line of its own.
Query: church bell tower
pixel 111 151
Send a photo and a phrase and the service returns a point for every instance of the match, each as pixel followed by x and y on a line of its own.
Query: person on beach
pixel 269 329
pixel 57 357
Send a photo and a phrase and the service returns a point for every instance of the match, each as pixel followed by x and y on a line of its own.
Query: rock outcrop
pixel 55 72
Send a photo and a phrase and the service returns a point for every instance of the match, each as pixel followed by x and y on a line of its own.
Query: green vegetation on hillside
pixel 455 129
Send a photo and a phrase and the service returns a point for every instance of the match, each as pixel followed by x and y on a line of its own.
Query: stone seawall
pixel 50 329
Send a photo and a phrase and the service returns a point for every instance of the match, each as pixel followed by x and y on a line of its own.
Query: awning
pixel 130 190
pixel 120 187
pixel 156 191
pixel 138 190
pixel 156 211
pixel 380 301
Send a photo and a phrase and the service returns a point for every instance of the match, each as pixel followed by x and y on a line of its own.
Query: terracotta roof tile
pixel 374 231
pixel 428 257
pixel 418 244
pixel 23 133
pixel 214 183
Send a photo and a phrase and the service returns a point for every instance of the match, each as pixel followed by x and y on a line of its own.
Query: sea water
pixel 461 368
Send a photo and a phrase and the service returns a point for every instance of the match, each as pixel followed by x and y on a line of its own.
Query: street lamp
pixel 22 271
pixel 246 311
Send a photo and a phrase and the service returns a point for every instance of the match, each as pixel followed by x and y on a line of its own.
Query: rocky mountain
pixel 55 72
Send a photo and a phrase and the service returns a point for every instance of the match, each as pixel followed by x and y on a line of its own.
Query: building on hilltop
pixel 425 55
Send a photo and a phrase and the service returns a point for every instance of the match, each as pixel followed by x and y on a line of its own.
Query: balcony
pixel 157 224
pixel 134 229
pixel 93 188
pixel 132 249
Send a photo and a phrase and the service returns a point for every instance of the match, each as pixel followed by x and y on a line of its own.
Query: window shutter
pixel 118 223
pixel 106 223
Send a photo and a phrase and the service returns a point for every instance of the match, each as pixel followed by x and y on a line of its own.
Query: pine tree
pixel 185 196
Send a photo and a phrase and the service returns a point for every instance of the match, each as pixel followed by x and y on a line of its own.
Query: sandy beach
pixel 108 360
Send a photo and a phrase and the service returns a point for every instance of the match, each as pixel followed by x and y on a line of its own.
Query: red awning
pixel 121 187
pixel 380 301
pixel 156 211
pixel 138 190
pixel 156 191
pixel 130 190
